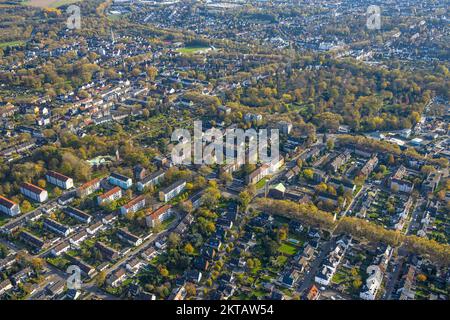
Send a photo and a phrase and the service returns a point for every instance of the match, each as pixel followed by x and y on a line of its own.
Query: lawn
pixel 59 262
pixel 287 249
pixel 261 183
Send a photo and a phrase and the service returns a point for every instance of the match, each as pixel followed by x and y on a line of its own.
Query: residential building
pixel 128 237
pixel 9 207
pixel 77 239
pixel 149 253
pixel 398 183
pixel 347 186
pixel 5 286
pixel 57 227
pixel 109 196
pixel 120 181
pixel 110 218
pixel 32 240
pixel 107 252
pixel 60 249
pixel 159 215
pixel 151 180
pixel 339 161
pixel 117 277
pixel 139 172
pixel 59 180
pixel 373 283
pixel 369 166
pixel 94 228
pixel 77 214
pixel 88 188
pixel 431 182
pixel 134 205
pixel 258 174
pixel 401 185
pixel 134 266
pixel 172 191
pixel 34 192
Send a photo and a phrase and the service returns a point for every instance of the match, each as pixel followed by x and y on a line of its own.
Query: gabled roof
pixel 89 184
pixel 134 201
pixel 119 177
pixel 32 188
pixel 110 192
pixel 155 214
pixel 57 176
pixel 173 186
pixel 7 203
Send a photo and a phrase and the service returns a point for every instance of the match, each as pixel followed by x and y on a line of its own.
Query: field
pixel 11 44
pixel 193 50
pixel 49 3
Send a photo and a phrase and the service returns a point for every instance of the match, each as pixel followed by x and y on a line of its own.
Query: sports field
pixel 48 3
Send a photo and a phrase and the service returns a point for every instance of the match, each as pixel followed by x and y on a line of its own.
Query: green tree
pixel 244 199
pixel 188 248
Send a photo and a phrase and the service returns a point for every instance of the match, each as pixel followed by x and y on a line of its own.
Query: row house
pixel 32 240
pixel 7 262
pixel 128 237
pixel 57 227
pixel 109 219
pixel 59 180
pixel 60 249
pixel 77 214
pixel 86 269
pixel 33 192
pixel 77 239
pixel 5 286
pixel 8 110
pixel 107 252
pixel 94 228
